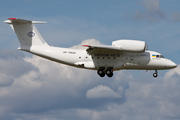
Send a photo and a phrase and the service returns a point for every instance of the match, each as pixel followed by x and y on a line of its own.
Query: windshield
pixel 159 56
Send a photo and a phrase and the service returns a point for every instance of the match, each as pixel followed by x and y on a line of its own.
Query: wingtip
pixel 86 45
pixel 12 18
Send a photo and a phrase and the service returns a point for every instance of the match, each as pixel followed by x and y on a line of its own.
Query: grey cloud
pixel 146 99
pixel 173 73
pixel 47 86
pixel 12 63
pixel 49 90
pixel 102 92
pixel 151 11
pixel 176 16
pixel 6 80
pixel 11 54
pixel 86 42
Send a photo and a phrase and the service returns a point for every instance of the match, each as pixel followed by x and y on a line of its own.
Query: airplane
pixel 105 59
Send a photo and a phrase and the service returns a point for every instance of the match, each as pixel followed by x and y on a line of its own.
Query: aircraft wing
pixel 132 46
pixel 93 48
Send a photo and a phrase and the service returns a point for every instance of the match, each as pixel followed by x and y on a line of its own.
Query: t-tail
pixel 27 33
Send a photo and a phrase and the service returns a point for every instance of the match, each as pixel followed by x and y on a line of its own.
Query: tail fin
pixel 26 32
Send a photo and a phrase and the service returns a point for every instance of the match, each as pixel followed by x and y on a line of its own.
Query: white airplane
pixel 122 54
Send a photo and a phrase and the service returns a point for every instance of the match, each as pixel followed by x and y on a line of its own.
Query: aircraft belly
pixel 157 64
pixel 65 56
pixel 115 64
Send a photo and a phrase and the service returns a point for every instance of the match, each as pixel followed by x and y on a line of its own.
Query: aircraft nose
pixel 172 65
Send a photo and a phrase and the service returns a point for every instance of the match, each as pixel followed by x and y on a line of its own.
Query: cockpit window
pixel 159 56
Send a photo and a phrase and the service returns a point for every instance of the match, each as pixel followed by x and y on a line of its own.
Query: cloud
pixel 176 16
pixel 172 73
pixel 102 92
pixel 86 42
pixel 146 99
pixel 33 84
pixel 151 11
pixel 36 88
pixel 5 80
pixel 12 66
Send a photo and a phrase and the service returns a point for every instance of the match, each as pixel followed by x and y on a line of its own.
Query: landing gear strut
pixel 155 74
pixel 102 72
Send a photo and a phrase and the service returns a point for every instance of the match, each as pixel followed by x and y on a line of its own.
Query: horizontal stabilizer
pixel 21 21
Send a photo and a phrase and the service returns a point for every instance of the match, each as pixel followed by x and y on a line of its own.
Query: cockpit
pixel 159 56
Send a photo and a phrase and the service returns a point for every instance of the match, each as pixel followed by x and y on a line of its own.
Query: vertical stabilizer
pixel 27 32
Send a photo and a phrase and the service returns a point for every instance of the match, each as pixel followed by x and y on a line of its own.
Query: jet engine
pixel 134 46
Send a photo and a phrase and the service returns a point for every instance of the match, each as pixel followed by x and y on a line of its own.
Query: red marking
pixel 12 18
pixel 86 45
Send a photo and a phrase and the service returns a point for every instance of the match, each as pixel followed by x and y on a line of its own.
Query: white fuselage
pixel 102 58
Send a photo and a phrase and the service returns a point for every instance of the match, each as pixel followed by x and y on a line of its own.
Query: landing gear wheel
pixel 109 73
pixel 155 75
pixel 101 72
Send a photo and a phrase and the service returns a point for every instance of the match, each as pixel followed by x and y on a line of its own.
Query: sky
pixel 33 88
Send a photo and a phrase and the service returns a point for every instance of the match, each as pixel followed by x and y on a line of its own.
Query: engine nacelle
pixel 134 46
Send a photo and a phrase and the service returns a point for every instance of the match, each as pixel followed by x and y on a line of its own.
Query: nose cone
pixel 171 65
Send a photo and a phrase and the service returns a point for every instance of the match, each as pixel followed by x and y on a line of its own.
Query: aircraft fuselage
pixel 116 60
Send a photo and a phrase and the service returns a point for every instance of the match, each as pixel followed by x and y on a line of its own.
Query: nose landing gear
pixel 155 74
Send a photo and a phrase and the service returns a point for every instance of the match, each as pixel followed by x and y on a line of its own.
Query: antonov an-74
pixel 122 54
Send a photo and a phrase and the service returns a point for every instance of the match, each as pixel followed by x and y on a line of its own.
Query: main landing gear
pixel 102 72
pixel 155 74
